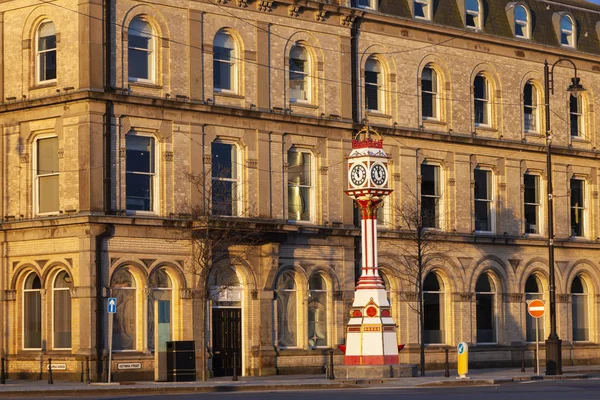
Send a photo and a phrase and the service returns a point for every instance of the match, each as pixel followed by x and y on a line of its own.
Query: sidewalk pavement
pixel 481 377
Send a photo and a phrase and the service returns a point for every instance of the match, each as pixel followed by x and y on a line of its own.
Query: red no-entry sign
pixel 536 308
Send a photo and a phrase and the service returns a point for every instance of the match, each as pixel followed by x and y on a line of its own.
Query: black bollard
pixel 2 375
pixel 87 369
pixel 447 372
pixel 535 361
pixel 50 381
pixel 522 360
pixel 331 374
pixel 235 376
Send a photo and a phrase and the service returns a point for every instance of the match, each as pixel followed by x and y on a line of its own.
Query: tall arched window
pixel 123 287
pixel 46 52
pixel 430 98
pixel 533 291
pixel 473 14
pixel 317 311
pixel 485 296
pixel 299 74
pixel 32 312
pixel 61 309
pixel 433 308
pixel 374 96
pixel 482 105
pixel 521 22
pixel 576 116
pixel 388 286
pixel 567 31
pixel 287 310
pixel 224 63
pixel 580 309
pixel 142 47
pixel 530 108
pixel 161 291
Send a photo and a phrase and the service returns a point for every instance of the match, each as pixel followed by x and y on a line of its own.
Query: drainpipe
pixel 354 32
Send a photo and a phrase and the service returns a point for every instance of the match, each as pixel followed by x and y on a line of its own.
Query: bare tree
pixel 418 246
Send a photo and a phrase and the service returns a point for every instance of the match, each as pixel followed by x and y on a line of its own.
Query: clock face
pixel 378 174
pixel 358 175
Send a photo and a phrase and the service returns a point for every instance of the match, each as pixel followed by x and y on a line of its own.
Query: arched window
pixel 123 287
pixel 473 14
pixel 533 291
pixel 225 59
pixel 430 96
pixel 225 173
pixel 576 116
pixel 32 312
pixel 287 311
pixel 433 309
pixel 140 38
pixel 61 309
pixel 567 30
pixel 580 309
pixel 482 104
pixel 521 22
pixel 485 296
pixel 317 311
pixel 46 52
pixel 388 286
pixel 374 96
pixel 299 74
pixel 531 103
pixel 161 297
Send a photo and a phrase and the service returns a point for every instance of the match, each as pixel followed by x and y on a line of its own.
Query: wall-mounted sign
pixel 129 366
pixel 57 367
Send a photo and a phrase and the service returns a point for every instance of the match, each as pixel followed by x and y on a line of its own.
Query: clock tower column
pixel 371 333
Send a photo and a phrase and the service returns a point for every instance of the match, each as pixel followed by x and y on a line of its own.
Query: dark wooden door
pixel 227 341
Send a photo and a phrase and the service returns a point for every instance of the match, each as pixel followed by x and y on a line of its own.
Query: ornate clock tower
pixel 371 335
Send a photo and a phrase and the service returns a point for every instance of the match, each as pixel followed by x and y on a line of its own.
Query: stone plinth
pixel 375 371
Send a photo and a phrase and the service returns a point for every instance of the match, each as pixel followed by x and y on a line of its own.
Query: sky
pixel 594 1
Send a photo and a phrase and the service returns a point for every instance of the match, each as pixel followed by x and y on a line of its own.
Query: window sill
pixel 484 233
pixel 578 139
pixel 303 104
pixel 485 128
pixel 377 114
pixel 145 84
pixel 533 134
pixel 44 85
pixel 433 122
pixel 228 94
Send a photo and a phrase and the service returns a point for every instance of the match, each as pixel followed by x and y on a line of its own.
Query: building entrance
pixel 227 341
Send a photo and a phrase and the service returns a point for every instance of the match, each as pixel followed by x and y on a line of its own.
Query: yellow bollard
pixel 463 360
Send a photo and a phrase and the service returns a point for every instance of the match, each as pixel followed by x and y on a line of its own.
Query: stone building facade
pixel 118 118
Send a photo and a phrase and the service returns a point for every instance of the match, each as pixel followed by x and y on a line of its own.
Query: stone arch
pixel 174 272
pixel 588 270
pixel 137 270
pixel 241 268
pixel 35 17
pixel 501 274
pixel 155 18
pixel 309 40
pixel 536 266
pixel 21 273
pixel 52 269
pixel 328 273
pixel 299 274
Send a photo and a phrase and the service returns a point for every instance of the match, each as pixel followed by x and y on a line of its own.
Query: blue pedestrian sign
pixel 461 347
pixel 112 305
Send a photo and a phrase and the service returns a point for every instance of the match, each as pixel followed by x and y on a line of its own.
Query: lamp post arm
pixel 550 75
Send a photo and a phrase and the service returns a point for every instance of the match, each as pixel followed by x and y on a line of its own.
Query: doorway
pixel 227 341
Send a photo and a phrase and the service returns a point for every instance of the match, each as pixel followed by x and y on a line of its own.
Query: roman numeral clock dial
pixel 358 175
pixel 378 174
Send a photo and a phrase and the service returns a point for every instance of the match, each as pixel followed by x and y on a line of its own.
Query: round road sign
pixel 536 308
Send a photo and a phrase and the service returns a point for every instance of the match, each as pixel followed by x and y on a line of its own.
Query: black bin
pixel 181 361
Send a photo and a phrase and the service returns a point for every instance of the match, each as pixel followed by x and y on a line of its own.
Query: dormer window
pixel 567 30
pixel 366 3
pixel 473 14
pixel 521 23
pixel 422 9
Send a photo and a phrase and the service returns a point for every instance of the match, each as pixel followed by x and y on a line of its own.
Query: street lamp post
pixel 553 343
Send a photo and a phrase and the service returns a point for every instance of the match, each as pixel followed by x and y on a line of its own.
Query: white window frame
pixel 36 177
pixel 435 94
pixel 54 290
pixel 586 294
pixel 151 52
pixel 491 201
pixel 40 53
pixel 137 311
pixel 155 192
pixel 172 308
pixel 233 64
pixel 538 204
pixel 524 24
pixel 426 4
pixel 438 197
pixel 306 73
pixel 582 208
pixel 486 100
pixel 23 321
pixel 475 14
pixel 578 114
pixel 311 187
pixel 379 85
pixel 371 6
pixel 299 306
pixel 568 34
pixel 236 178
pixel 534 107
